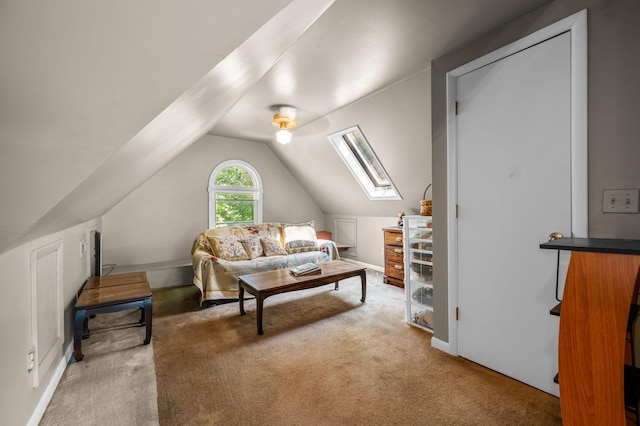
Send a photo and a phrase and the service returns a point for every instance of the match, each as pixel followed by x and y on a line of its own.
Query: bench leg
pixel 142 317
pixel 147 317
pixel 78 328
pixel 337 285
pixel 85 326
pixel 363 280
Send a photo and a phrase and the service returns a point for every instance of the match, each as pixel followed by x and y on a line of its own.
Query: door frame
pixel 576 24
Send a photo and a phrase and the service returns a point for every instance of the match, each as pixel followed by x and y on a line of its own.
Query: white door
pixel 514 188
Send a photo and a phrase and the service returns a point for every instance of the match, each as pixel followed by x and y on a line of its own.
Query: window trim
pixel 213 189
pixel 359 170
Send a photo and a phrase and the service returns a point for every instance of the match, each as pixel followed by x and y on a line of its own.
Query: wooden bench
pixel 111 293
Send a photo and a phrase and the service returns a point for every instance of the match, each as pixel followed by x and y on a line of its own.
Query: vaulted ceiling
pixel 98 96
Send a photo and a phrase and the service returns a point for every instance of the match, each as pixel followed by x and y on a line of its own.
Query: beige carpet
pixel 114 384
pixel 324 359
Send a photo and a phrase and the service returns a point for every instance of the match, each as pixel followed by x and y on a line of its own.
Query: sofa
pixel 221 255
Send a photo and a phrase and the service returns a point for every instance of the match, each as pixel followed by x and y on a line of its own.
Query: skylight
pixel 361 160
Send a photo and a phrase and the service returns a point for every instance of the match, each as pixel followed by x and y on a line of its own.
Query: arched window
pixel 235 194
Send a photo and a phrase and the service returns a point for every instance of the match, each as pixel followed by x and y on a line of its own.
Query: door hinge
pixel 456 211
pixel 457 313
pixel 456 107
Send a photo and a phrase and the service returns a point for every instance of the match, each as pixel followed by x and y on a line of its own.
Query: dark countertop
pixel 597 245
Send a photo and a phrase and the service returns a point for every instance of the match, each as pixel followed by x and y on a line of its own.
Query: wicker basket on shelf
pixel 425 205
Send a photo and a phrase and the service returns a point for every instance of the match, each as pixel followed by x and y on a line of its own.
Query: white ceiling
pixel 359 47
pixel 82 83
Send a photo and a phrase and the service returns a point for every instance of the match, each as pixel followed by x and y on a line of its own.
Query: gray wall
pixel 159 221
pixel 18 397
pixel 614 128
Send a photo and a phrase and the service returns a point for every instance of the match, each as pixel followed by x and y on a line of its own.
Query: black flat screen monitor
pixel 96 253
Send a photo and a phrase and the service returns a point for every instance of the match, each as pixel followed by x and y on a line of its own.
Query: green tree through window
pixel 234 176
pixel 234 195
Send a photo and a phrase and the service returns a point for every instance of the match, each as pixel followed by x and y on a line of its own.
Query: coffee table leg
pixel 259 303
pixel 146 311
pixel 337 285
pixel 363 280
pixel 78 327
pixel 241 299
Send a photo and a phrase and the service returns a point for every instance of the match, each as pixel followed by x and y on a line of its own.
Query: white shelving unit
pixel 418 271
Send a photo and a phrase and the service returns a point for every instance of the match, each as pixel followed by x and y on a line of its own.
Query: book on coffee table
pixel 306 269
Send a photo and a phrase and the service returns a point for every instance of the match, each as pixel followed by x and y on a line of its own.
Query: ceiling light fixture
pixel 285 120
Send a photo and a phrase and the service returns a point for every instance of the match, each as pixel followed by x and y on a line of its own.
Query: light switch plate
pixel 620 200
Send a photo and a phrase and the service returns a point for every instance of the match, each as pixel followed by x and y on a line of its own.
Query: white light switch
pixel 620 200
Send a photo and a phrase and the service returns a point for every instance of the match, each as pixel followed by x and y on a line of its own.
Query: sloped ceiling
pixel 359 47
pixel 83 79
pixel 81 83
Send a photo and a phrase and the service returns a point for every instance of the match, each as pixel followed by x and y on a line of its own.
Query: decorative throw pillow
pixel 215 232
pixel 300 237
pixel 253 247
pixel 262 230
pixel 299 246
pixel 272 247
pixel 229 248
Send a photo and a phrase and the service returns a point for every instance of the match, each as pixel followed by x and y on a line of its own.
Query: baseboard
pixel 441 345
pixel 37 414
pixel 366 265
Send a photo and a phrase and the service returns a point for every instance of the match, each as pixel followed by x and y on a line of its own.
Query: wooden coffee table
pixel 265 284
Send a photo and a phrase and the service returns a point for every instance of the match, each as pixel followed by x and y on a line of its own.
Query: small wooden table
pixel 116 279
pixel 603 281
pixel 111 299
pixel 265 284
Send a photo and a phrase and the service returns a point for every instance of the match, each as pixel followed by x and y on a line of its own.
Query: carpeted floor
pixel 114 384
pixel 325 359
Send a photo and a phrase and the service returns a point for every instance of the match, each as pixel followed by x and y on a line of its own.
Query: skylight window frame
pixel 360 167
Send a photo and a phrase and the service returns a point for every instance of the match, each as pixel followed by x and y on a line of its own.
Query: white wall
pixel 18 398
pixel 370 240
pixel 159 221
pixel 397 123
pixel 79 80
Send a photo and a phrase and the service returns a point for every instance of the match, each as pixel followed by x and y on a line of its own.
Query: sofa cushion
pixel 228 248
pixel 262 230
pixel 272 247
pixel 253 246
pixel 300 237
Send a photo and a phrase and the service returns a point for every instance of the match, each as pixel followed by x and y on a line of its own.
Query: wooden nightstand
pixel 393 256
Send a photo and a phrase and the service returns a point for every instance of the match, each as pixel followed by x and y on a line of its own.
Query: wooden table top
pixel 116 279
pixel 595 245
pixel 103 296
pixel 332 271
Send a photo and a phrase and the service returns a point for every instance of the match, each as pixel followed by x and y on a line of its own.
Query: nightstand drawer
pixel 393 239
pixel 394 269
pixel 394 254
